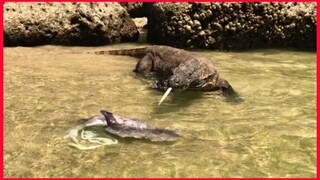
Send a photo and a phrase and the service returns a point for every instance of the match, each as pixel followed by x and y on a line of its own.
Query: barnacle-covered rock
pixel 233 25
pixel 67 23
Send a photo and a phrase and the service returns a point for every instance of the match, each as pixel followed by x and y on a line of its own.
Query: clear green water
pixel 271 134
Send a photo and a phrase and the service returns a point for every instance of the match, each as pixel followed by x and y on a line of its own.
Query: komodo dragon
pixel 177 68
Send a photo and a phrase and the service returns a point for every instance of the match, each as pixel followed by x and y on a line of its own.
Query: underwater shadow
pixel 234 99
pixel 183 99
pixel 178 99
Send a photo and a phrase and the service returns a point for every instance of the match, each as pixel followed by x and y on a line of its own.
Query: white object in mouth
pixel 165 95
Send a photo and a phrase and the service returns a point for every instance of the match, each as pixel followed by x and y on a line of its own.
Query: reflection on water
pixel 271 134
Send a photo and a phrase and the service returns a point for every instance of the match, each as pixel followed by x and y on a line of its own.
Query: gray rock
pixel 227 26
pixel 67 24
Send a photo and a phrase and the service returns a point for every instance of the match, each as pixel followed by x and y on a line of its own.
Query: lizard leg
pixel 145 64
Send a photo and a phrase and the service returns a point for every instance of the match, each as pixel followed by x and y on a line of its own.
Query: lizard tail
pixel 137 53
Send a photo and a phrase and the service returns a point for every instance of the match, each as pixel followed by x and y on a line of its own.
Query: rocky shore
pixel 230 26
pixel 219 26
pixel 29 24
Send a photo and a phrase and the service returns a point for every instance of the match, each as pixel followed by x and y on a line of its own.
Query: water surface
pixel 271 134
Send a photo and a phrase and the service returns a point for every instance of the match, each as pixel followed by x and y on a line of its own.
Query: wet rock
pixel 232 26
pixel 67 23
pixel 187 27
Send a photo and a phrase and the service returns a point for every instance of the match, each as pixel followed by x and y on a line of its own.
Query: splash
pixel 94 140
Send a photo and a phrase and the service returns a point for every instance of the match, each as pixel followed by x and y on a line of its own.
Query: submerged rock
pixel 227 26
pixel 67 24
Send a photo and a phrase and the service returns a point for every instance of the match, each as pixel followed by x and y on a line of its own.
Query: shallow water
pixel 271 134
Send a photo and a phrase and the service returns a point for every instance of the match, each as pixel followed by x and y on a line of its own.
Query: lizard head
pixel 226 88
pixel 185 74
